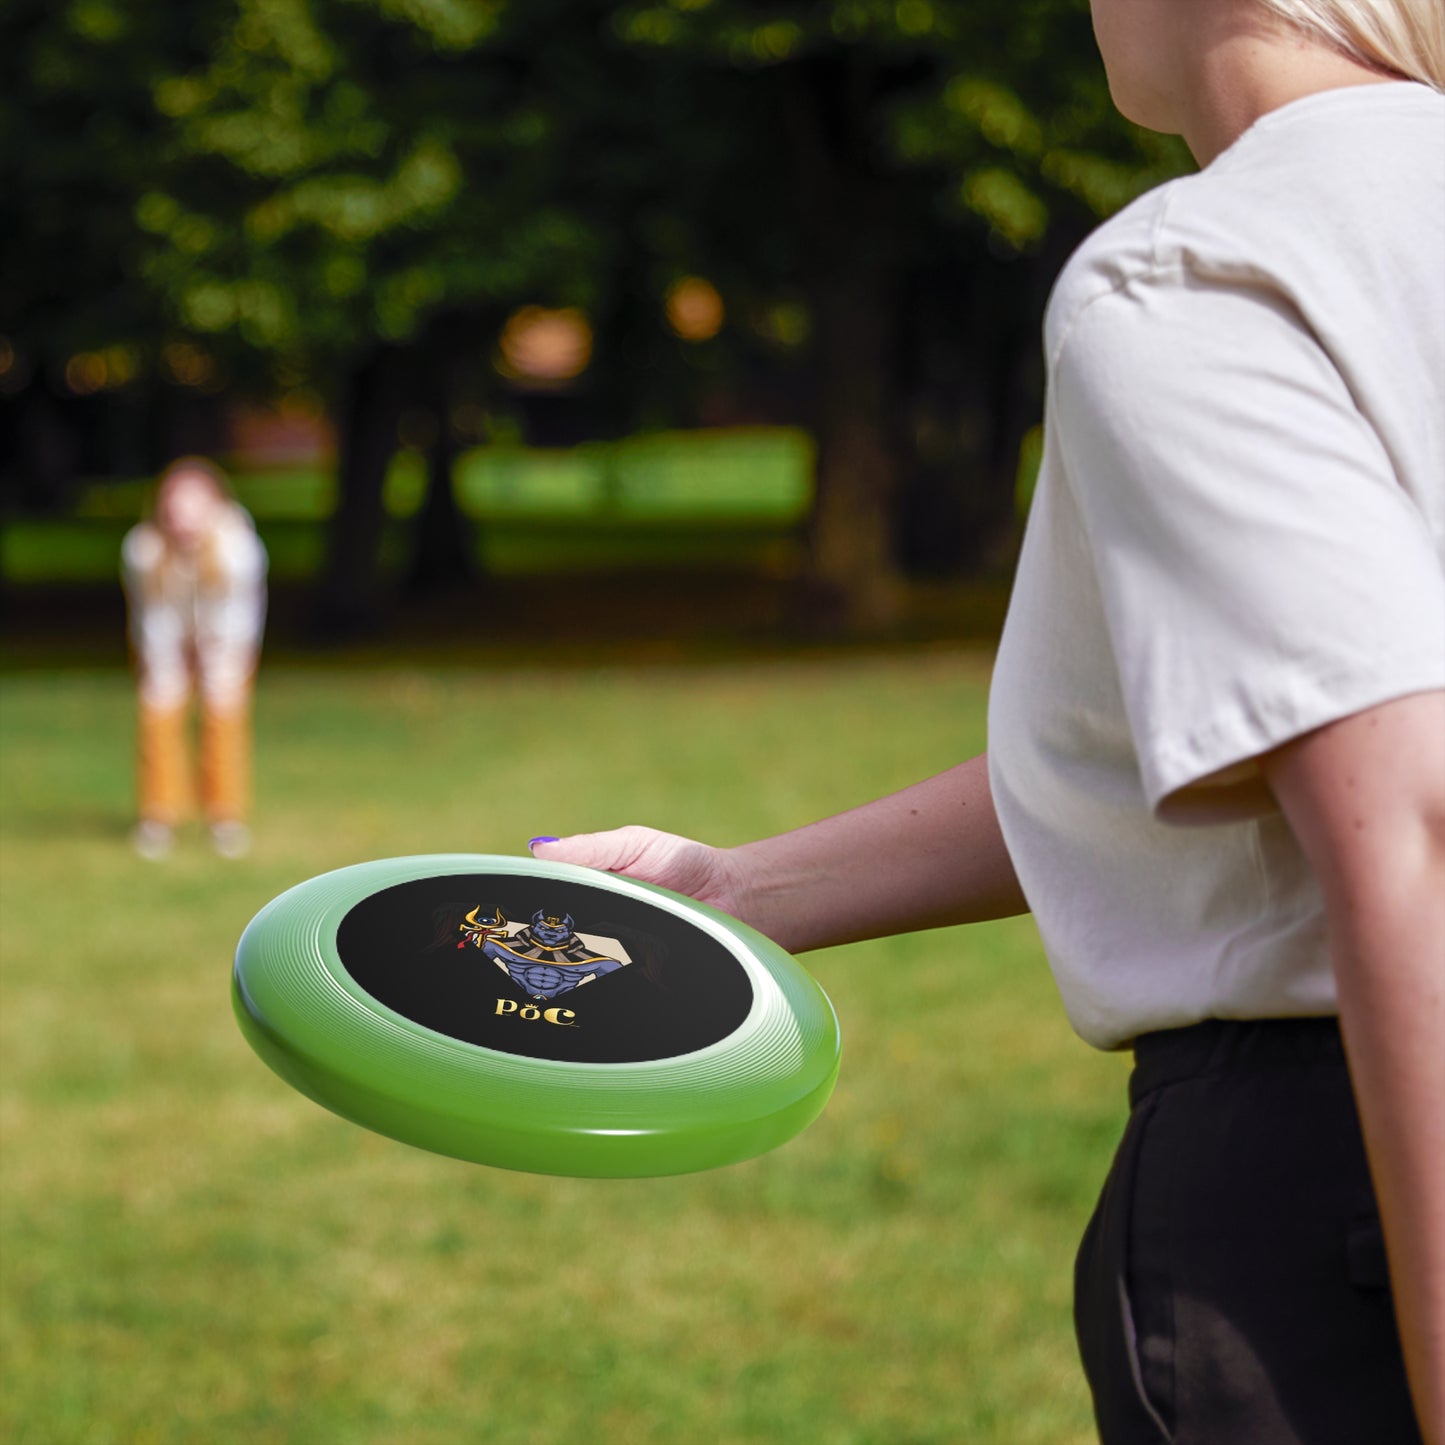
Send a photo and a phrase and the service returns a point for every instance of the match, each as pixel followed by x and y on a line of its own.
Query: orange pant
pixel 163 762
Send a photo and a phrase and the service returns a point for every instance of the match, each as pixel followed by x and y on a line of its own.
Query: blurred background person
pixel 195 582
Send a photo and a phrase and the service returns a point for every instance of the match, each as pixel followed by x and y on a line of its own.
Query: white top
pixel 196 619
pixel 1238 536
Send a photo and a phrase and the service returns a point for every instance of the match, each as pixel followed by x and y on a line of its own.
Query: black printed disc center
pixel 542 969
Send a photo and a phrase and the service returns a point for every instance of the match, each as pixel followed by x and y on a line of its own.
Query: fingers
pixel 614 851
pixel 666 859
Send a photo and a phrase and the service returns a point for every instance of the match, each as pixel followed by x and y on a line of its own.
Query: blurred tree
pixel 368 188
pixel 79 139
pixel 363 190
pixel 355 194
pixel 918 169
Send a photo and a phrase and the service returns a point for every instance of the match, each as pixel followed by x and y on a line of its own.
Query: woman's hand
pixel 711 875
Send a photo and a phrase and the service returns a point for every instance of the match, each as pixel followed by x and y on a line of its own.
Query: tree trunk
pixel 442 558
pixel 851 264
pixel 349 599
pixel 444 554
pixel 852 562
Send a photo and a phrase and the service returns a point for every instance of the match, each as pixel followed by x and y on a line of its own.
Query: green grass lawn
pixel 192 1252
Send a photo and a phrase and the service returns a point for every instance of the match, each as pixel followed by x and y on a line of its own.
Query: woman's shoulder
pixel 1110 258
pixel 1337 192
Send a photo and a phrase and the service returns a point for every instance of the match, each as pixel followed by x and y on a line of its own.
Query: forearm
pixel 1390 969
pixel 929 856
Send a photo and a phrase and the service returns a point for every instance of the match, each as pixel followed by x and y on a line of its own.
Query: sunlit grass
pixel 191 1252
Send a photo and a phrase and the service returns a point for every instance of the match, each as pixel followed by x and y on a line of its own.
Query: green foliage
pixel 299 178
pixel 79 140
pixel 1003 106
pixel 190 1251
pixel 340 174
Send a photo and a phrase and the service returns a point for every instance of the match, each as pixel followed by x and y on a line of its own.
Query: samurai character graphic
pixel 480 931
pixel 548 958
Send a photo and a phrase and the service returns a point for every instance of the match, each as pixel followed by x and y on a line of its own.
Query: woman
pixel 1217 760
pixel 195 582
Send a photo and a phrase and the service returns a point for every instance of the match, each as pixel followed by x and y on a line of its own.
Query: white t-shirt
pixel 1238 536
pixel 196 620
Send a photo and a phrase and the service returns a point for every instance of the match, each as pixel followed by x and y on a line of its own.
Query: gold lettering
pixel 562 1017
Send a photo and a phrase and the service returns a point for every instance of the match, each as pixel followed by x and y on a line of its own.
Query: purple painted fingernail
pixel 532 842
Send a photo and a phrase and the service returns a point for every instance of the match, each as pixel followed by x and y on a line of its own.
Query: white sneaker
pixel 152 840
pixel 231 839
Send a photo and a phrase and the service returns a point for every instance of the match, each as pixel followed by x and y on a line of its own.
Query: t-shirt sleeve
pixel 1262 568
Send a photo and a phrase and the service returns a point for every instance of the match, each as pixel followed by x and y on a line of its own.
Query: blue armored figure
pixel 547 958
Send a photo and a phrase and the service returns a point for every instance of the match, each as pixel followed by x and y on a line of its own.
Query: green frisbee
pixel 535 1016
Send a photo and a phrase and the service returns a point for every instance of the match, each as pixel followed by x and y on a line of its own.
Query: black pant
pixel 1231 1288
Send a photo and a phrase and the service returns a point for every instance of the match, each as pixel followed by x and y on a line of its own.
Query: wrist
pixel 748 892
pixel 771 892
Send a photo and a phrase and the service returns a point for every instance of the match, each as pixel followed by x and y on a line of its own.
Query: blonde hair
pixel 1404 37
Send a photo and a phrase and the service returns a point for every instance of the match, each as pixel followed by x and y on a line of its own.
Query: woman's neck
pixel 1244 69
